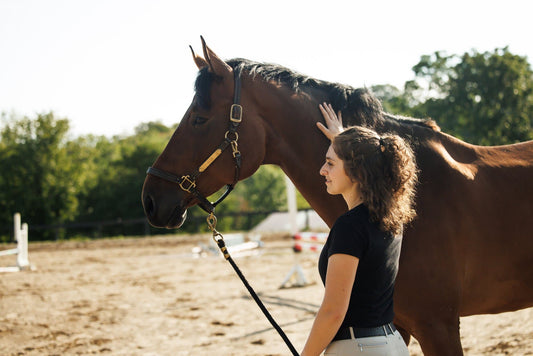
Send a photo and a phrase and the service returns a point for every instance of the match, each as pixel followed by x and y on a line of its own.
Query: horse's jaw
pixel 177 219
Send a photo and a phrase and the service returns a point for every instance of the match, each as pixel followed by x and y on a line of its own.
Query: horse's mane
pixel 359 106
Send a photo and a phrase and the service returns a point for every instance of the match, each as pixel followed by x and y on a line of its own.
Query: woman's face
pixel 337 181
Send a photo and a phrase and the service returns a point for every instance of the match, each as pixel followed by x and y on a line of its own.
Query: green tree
pixel 41 173
pixel 120 169
pixel 483 98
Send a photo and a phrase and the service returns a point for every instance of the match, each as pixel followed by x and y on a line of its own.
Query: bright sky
pixel 108 65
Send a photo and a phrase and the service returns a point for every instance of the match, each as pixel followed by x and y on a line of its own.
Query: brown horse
pixel 468 252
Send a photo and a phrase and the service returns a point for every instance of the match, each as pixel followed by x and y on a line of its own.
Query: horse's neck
pixel 296 145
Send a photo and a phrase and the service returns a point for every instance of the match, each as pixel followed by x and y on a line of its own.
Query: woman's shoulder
pixel 349 234
pixel 351 219
pixel 356 214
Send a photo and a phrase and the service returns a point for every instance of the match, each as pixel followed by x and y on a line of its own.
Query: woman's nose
pixel 323 170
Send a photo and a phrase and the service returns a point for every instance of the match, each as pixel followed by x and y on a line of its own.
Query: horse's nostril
pixel 149 206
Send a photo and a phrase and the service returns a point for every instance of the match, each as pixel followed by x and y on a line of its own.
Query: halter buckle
pixel 187 180
pixel 235 113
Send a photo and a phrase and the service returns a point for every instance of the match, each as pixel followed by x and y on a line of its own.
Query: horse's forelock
pixel 202 87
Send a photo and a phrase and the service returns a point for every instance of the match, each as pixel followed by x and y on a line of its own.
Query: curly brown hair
pixel 386 169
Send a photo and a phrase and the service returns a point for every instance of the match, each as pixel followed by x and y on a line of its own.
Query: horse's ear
pixel 200 62
pixel 216 65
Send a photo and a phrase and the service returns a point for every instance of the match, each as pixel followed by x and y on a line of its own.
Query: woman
pixel 376 177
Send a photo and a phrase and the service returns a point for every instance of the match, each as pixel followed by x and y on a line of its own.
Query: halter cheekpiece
pixel 187 182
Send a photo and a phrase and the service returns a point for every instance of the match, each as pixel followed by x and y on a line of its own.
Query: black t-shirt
pixel 378 252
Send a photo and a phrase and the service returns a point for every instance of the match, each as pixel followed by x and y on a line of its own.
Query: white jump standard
pixel 21 236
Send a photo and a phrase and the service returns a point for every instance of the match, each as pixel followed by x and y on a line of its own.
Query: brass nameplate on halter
pixel 210 160
pixel 235 113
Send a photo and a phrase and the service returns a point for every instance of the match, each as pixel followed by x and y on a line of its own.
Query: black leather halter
pixel 188 182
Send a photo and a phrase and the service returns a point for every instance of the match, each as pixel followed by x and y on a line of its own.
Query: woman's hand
pixel 333 122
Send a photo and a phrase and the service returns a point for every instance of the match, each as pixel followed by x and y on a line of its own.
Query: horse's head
pixel 204 154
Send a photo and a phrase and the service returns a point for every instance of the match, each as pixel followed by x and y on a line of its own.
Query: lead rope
pixel 219 240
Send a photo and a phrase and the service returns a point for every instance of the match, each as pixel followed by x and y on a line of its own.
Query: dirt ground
pixel 153 296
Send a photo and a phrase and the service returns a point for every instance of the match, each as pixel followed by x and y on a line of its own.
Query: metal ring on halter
pixel 233 132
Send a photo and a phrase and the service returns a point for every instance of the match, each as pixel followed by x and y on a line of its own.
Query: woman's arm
pixel 339 283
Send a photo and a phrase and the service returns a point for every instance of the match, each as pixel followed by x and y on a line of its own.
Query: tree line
pixel 54 179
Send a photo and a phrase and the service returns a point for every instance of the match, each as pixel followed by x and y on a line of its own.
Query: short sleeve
pixel 347 237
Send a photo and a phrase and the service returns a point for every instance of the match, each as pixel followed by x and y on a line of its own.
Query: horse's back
pixel 515 155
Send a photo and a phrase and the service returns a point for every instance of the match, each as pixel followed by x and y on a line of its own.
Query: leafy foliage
pixel 482 98
pixel 41 173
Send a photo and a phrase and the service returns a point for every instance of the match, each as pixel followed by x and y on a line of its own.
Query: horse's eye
pixel 198 120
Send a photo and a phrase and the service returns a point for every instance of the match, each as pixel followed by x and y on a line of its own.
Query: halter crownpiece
pixel 187 182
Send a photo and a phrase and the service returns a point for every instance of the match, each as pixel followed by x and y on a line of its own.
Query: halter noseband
pixel 188 182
